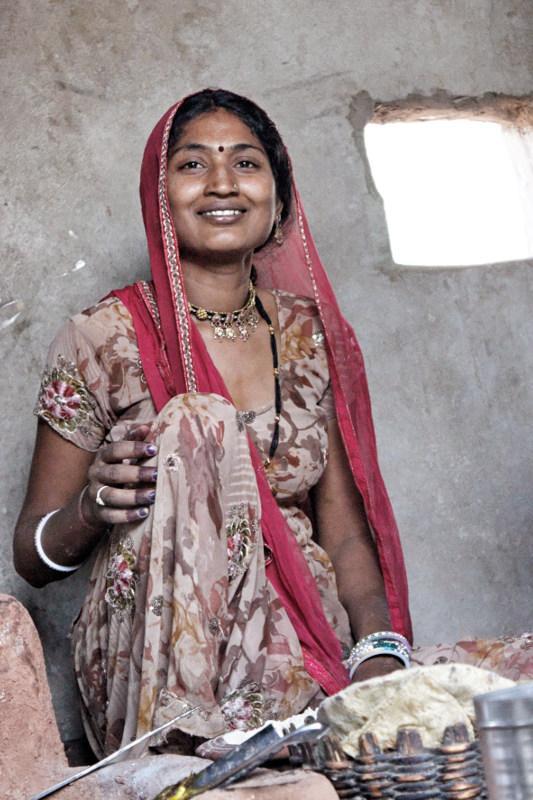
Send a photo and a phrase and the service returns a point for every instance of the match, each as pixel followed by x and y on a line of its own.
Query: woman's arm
pixel 59 472
pixel 344 534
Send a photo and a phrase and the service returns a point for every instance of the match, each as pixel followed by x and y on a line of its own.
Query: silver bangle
pixel 39 547
pixel 363 648
pixel 387 643
pixel 390 648
pixel 393 640
pixel 390 636
pixel 402 655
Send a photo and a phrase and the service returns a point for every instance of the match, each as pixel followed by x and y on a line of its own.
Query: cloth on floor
pixel 509 656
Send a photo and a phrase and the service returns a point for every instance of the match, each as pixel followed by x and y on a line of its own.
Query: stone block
pixel 31 753
pixel 32 757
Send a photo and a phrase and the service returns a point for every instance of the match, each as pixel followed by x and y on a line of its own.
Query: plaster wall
pixel 449 351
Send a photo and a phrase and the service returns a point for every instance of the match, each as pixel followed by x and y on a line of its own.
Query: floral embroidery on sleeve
pixel 64 400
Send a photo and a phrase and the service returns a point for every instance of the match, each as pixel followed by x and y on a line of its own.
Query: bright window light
pixel 456 192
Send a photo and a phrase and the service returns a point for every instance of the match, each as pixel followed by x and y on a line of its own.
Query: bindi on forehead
pixel 234 148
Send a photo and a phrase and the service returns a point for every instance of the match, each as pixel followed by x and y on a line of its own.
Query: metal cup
pixel 505 725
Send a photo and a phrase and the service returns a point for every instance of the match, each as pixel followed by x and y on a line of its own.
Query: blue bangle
pixel 382 643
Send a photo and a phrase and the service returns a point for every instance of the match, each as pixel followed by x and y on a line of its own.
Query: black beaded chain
pixel 277 386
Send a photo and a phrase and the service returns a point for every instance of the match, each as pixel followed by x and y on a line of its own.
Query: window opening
pixel 456 192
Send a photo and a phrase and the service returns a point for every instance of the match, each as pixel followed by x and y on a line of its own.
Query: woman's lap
pixel 180 612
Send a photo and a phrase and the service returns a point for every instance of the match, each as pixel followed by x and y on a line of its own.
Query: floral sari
pixel 221 598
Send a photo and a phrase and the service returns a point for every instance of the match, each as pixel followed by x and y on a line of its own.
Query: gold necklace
pixel 231 325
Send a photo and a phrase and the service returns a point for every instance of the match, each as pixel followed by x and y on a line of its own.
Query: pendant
pixel 250 320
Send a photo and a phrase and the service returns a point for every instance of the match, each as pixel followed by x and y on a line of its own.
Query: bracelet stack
pixel 381 643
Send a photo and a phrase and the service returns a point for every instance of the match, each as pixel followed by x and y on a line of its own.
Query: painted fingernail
pixel 143 512
pixel 154 475
pixel 151 449
pixel 151 496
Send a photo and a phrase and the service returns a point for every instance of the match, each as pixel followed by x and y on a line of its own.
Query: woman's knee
pixel 205 409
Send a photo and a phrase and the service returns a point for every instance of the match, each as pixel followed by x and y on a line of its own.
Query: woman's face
pixel 221 189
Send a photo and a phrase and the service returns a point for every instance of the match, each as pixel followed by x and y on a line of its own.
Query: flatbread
pixel 426 698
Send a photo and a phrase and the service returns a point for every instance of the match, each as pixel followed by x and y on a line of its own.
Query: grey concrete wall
pixel 449 352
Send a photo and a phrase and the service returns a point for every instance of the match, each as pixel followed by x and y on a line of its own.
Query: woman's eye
pixel 246 164
pixel 190 165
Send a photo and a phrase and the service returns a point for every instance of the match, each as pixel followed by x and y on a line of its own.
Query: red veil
pixel 175 360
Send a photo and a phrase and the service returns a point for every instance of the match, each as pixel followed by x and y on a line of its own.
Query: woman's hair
pixel 255 118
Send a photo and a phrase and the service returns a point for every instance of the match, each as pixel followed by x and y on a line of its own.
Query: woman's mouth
pixel 222 214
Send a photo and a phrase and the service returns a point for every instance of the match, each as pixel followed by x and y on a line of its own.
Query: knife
pixel 108 759
pixel 244 758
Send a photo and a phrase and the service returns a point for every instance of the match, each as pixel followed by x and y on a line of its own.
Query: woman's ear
pixel 279 207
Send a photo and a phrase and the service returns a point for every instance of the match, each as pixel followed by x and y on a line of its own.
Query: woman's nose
pixel 221 181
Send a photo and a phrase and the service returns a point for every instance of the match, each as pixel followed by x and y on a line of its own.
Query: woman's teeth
pixel 229 212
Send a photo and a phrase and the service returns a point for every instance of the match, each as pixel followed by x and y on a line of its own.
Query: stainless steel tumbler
pixel 505 725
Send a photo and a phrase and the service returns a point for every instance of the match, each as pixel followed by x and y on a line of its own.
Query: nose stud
pixel 235 187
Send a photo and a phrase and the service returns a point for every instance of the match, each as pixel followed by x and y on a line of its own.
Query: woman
pixel 209 433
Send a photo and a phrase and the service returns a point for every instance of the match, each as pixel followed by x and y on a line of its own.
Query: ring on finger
pixel 99 499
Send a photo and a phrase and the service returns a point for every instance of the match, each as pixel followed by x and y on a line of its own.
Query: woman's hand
pixel 376 667
pixel 61 474
pixel 127 487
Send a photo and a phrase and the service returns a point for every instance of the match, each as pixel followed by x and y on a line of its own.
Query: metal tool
pixel 245 758
pixel 108 759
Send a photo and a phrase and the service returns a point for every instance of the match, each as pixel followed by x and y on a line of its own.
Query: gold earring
pixel 278 232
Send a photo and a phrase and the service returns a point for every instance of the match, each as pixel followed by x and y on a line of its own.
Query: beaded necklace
pixel 229 325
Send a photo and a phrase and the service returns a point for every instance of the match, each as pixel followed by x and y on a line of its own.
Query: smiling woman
pixel 222 191
pixel 218 453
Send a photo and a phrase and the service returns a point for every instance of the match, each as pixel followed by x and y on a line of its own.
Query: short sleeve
pixel 327 402
pixel 73 397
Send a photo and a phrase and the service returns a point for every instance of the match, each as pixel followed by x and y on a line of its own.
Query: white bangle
pixel 401 655
pixel 39 547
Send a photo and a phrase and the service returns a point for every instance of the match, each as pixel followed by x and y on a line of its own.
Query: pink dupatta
pixel 175 360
